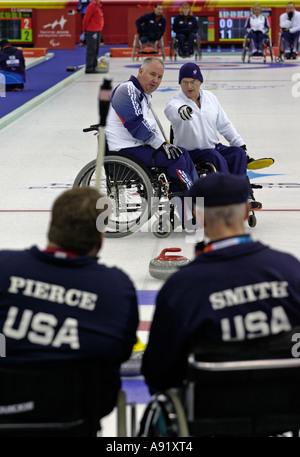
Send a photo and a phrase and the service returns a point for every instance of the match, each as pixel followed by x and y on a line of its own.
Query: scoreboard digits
pixel 232 25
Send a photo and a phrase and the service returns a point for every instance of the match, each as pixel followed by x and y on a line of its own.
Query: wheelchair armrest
pixel 240 365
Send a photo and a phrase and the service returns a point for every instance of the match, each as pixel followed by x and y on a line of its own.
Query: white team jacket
pixel 293 25
pixel 201 131
pixel 257 23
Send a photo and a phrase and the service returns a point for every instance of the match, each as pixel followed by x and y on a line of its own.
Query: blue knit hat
pixel 219 189
pixel 190 70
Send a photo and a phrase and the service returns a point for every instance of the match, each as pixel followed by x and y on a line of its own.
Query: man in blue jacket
pixel 234 290
pixel 151 26
pixel 61 304
pixel 12 66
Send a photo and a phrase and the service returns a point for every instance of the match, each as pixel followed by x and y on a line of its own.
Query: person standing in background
pixel 81 8
pixel 93 23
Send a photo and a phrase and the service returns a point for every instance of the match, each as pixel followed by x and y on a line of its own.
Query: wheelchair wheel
pixel 173 52
pixel 244 51
pixel 129 189
pixel 162 48
pixel 198 51
pixel 271 50
pixel 134 46
pixel 204 169
pixel 280 57
pixel 164 417
pixel 162 229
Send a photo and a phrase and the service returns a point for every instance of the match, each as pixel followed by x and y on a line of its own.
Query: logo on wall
pixel 55 23
pixel 55 29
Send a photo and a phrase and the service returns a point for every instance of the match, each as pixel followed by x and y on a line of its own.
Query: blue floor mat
pixel 45 75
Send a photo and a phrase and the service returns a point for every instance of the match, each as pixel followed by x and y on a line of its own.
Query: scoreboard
pixel 16 25
pixel 232 24
pixel 223 26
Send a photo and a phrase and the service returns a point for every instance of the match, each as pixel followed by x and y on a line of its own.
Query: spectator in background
pixel 186 28
pixel 257 27
pixel 61 304
pixel 81 8
pixel 290 26
pixel 12 66
pixel 93 23
pixel 151 26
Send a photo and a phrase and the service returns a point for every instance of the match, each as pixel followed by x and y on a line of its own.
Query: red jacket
pixel 93 20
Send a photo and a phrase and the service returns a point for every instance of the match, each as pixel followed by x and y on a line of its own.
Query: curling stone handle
pixel 163 256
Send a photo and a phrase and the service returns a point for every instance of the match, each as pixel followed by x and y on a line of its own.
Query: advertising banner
pixel 55 29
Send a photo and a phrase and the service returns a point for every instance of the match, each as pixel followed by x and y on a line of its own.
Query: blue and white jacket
pixel 257 23
pixel 128 122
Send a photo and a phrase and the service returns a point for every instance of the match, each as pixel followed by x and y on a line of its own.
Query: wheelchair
pixel 230 393
pixel 59 399
pixel 137 192
pixel 149 48
pixel 267 45
pixel 281 56
pixel 175 46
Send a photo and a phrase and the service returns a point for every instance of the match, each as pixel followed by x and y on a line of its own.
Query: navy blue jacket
pixel 54 309
pixel 185 24
pixel 12 65
pixel 148 25
pixel 236 293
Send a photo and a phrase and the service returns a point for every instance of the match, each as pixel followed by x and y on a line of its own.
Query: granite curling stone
pixel 164 265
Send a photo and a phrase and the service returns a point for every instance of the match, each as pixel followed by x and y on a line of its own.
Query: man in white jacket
pixel 290 26
pixel 196 117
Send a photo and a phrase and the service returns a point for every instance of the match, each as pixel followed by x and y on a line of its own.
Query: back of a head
pixel 73 224
pixel 224 197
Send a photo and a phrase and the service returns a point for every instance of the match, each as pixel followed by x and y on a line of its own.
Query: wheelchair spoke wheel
pixel 129 189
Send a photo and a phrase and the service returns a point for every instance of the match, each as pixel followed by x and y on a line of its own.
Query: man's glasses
pixel 186 83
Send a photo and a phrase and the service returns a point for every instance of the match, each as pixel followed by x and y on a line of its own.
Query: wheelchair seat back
pixel 243 397
pixel 60 399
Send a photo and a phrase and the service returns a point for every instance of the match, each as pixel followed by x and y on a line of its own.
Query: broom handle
pixel 158 123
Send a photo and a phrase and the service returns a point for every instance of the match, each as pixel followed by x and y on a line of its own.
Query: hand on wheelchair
pixel 171 151
pixel 185 112
pixel 285 30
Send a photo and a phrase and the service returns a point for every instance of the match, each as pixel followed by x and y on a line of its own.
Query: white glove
pixel 185 112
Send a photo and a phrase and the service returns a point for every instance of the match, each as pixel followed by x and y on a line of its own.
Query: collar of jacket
pixel 136 83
